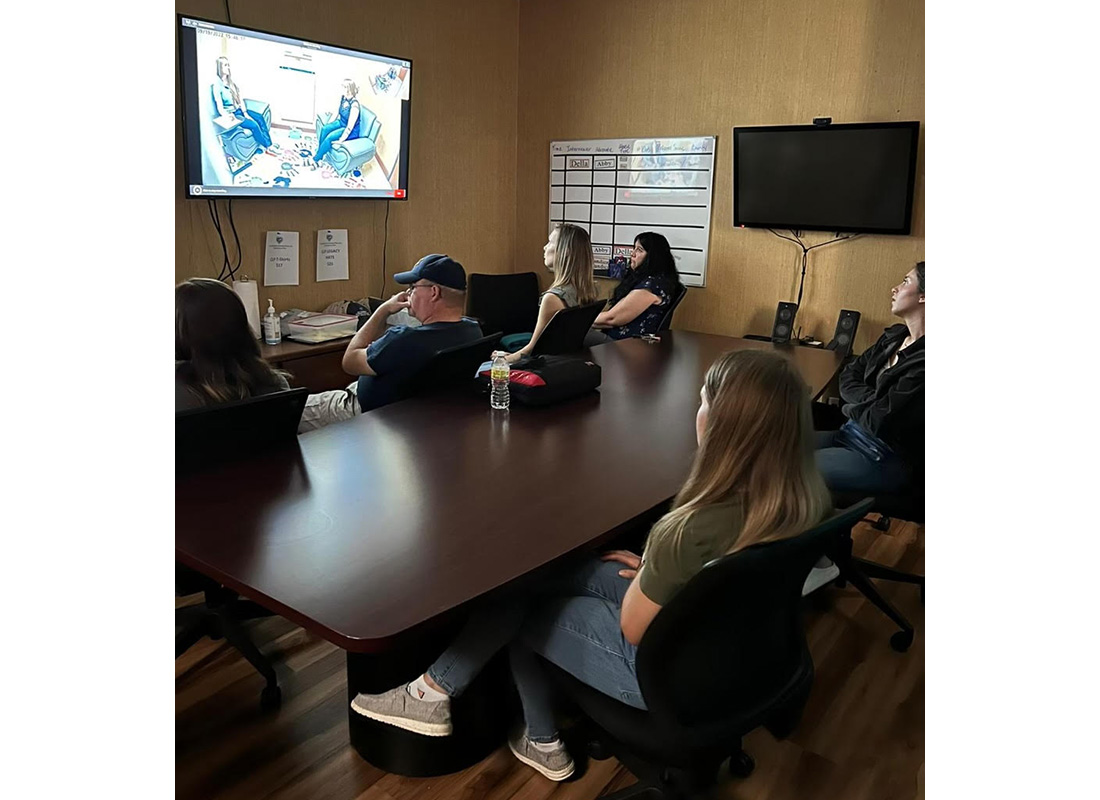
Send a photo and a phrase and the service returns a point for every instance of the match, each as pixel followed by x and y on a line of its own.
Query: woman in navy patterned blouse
pixel 640 301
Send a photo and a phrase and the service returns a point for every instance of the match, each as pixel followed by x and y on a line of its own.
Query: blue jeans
pixel 327 136
pixel 847 467
pixel 255 125
pixel 570 618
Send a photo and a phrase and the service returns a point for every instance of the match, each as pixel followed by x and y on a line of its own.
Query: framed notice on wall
pixel 618 188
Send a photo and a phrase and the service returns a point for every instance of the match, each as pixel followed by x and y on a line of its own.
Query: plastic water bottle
pixel 499 373
pixel 273 333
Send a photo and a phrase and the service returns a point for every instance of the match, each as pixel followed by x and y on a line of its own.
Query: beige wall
pixel 588 69
pixel 462 155
pixel 635 68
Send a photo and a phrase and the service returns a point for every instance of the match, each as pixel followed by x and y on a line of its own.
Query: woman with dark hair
pixel 217 357
pixel 753 480
pixel 641 299
pixel 880 446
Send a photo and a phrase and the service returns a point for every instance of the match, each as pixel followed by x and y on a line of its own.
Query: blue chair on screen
pixel 351 154
pixel 237 141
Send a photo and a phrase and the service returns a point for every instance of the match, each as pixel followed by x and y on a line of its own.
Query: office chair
pixel 503 303
pixel 453 367
pixel 213 435
pixel 858 571
pixel 566 330
pixel 220 616
pixel 666 321
pixel 736 626
pixel 205 438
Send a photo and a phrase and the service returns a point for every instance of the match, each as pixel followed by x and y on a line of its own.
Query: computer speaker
pixel 784 322
pixel 845 336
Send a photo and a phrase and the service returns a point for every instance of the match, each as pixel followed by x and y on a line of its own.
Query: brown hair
pixel 573 262
pixel 758 448
pixel 217 357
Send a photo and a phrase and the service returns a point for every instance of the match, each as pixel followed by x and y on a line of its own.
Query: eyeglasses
pixel 420 285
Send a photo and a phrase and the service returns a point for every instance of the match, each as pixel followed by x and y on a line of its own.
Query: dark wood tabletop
pixel 368 528
pixel 289 350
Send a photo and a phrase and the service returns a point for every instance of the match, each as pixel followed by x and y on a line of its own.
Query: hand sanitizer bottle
pixel 272 332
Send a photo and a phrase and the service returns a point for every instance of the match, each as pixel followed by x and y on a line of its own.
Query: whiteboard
pixel 618 188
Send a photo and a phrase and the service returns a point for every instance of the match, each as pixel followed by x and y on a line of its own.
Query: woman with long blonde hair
pixel 568 252
pixel 753 480
pixel 756 452
pixel 228 96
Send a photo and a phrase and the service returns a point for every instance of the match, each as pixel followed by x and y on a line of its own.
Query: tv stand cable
pixel 797 239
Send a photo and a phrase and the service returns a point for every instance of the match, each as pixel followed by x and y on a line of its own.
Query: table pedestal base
pixel 481 716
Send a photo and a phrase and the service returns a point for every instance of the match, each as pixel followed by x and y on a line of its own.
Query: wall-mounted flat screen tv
pixel 266 115
pixel 855 178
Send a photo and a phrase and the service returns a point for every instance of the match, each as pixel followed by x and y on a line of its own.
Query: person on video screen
pixel 231 104
pixel 344 127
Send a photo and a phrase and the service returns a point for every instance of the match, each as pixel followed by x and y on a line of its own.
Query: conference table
pixel 379 533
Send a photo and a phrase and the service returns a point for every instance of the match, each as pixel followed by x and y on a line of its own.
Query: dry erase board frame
pixel 617 188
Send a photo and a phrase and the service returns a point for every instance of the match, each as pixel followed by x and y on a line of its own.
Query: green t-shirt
pixel 669 563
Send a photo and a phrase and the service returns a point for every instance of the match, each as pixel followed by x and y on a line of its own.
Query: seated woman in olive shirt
pixel 753 480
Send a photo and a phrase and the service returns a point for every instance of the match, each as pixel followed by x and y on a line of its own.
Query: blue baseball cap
pixel 436 268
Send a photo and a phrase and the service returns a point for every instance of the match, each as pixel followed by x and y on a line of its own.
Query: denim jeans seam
pixel 596 642
pixel 601 595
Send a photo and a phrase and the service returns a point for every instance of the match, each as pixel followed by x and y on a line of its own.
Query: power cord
pixel 385 246
pixel 797 239
pixel 229 270
pixel 214 218
pixel 236 240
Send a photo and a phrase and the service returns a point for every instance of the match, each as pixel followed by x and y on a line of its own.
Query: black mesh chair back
pixel 566 330
pixel 503 303
pixel 213 435
pixel 666 321
pixel 454 366
pixel 735 627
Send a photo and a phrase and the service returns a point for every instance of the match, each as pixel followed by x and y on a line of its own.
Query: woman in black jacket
pixel 880 447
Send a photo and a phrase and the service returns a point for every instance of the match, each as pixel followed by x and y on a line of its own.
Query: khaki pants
pixel 328 407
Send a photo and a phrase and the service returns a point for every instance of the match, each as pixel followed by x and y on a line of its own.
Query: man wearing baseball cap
pixel 386 360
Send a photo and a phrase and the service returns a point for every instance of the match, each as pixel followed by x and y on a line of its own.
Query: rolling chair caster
pixel 901 640
pixel 597 751
pixel 741 765
pixel 271 698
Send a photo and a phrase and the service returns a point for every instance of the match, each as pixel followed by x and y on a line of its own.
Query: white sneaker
pixel 819 576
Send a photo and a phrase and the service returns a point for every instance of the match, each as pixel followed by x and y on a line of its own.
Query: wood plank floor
pixel 862 736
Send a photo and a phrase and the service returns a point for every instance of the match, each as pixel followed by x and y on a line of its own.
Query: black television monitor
pixel 855 178
pixel 266 115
